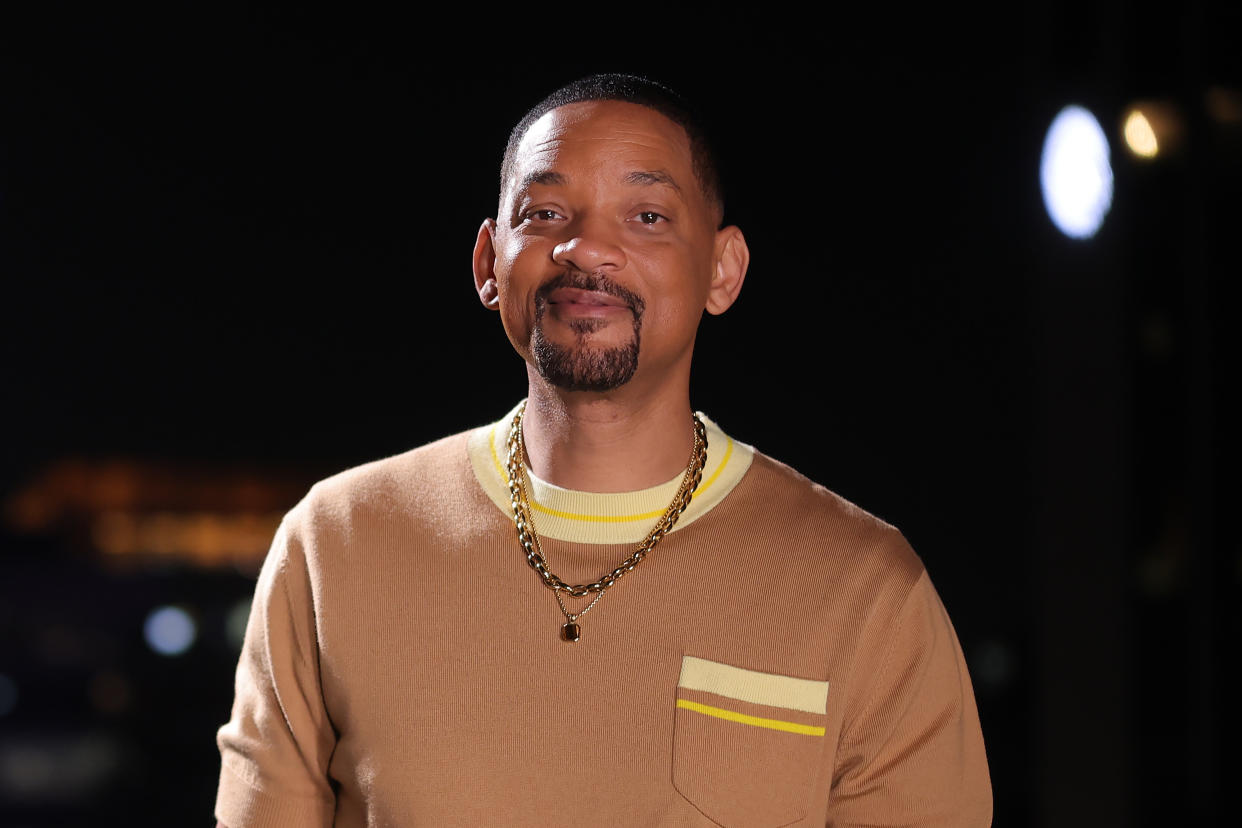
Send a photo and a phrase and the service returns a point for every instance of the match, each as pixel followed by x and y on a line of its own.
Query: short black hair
pixel 637 90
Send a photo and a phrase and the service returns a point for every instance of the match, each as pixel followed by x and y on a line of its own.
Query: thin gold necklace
pixel 515 463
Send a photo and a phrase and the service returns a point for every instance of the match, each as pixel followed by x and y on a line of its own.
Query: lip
pixel 579 299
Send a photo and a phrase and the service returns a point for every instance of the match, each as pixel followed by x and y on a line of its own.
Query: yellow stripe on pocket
pixel 769 689
pixel 753 721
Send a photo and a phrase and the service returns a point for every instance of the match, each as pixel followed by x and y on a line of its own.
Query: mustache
pixel 582 280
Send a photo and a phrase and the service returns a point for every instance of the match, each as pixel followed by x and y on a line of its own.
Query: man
pixel 757 652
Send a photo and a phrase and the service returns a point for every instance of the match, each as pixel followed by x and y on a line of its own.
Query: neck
pixel 606 442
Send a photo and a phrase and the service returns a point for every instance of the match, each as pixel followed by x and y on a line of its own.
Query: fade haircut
pixel 636 90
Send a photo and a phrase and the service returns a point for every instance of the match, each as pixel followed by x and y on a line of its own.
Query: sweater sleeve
pixel 277 744
pixel 912 752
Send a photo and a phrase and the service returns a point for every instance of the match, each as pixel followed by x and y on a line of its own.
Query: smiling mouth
pixel 579 293
pixel 586 299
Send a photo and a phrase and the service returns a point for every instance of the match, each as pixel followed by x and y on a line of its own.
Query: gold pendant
pixel 570 632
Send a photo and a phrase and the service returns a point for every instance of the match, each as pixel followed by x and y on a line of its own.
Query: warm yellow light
pixel 205 539
pixel 1140 137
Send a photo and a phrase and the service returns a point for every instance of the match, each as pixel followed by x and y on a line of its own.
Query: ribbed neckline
pixel 603 518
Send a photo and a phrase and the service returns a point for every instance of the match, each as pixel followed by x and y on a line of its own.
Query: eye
pixel 649 217
pixel 542 215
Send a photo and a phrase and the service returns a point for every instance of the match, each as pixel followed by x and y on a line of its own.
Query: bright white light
pixel 170 631
pixel 1074 173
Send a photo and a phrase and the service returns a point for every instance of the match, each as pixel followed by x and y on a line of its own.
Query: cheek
pixel 513 265
pixel 678 281
pixel 518 325
pixel 516 310
pixel 519 270
pixel 671 320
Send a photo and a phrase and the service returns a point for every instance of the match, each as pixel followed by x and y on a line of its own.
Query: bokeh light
pixel 8 695
pixel 235 623
pixel 109 691
pixel 1140 137
pixel 170 631
pixel 1075 173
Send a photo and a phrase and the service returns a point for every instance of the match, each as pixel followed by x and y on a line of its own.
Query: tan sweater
pixel 781 658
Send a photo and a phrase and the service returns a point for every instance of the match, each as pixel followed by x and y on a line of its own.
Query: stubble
pixel 584 366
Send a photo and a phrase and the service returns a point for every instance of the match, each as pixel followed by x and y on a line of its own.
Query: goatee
pixel 583 367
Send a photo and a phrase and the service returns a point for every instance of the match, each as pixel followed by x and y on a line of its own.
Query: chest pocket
pixel 747 745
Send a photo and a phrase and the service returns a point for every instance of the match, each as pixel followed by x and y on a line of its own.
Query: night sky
pixel 241 238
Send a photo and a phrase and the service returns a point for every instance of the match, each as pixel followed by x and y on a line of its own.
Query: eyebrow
pixel 649 177
pixel 547 177
pixel 642 178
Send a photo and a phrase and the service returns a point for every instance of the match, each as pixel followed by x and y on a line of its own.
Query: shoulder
pixel 800 493
pixel 824 532
pixel 437 472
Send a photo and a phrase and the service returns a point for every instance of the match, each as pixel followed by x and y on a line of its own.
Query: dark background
pixel 237 241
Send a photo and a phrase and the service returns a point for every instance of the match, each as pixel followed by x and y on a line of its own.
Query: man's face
pixel 605 246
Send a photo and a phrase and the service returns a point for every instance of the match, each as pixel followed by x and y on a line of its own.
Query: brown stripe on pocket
pixel 749 714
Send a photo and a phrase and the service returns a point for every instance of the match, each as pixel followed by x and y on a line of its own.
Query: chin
pixel 596 369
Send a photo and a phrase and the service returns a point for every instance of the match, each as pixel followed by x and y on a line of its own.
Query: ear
pixel 732 259
pixel 485 265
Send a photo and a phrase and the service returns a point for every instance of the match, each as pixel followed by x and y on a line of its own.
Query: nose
pixel 590 248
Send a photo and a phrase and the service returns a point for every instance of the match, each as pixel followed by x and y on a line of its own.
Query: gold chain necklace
pixel 515 462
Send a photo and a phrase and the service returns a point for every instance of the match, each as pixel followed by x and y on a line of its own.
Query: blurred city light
pixel 135 513
pixel 1224 105
pixel 203 539
pixel 1075 174
pixel 170 631
pixel 235 623
pixel 995 664
pixel 57 768
pixel 8 695
pixel 1140 137
pixel 109 691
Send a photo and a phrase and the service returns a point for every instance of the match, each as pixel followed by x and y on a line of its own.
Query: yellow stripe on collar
pixel 621 517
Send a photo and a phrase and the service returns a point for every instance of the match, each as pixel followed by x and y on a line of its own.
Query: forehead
pixel 589 136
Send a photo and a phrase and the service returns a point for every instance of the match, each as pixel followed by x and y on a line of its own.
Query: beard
pixel 583 366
